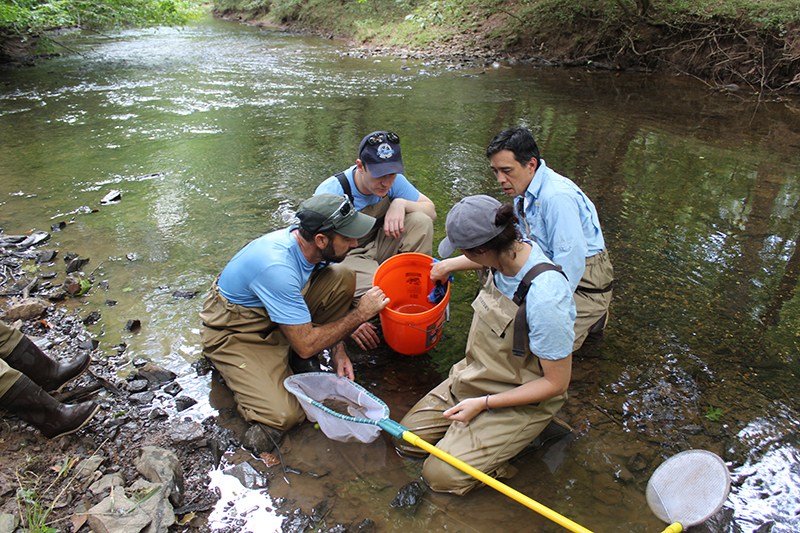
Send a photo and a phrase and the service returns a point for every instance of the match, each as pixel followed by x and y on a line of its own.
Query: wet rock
pixel 158 465
pixel 92 318
pixel 186 431
pixel 367 526
pixel 260 438
pixel 143 398
pixel 89 344
pixel 11 240
pixel 296 522
pixel 25 310
pixel 72 284
pixel 58 226
pixel 117 515
pixel 19 286
pixel 138 385
pixel 133 256
pixel 184 402
pixel 48 275
pixel 155 374
pixel 248 476
pixel 105 483
pixel 156 506
pixel 158 414
pixel 409 496
pixel 203 366
pixel 173 388
pixel 76 265
pixel 138 362
pixel 104 285
pixel 111 303
pixel 35 238
pixel 115 421
pixel 338 528
pixel 184 295
pixel 46 256
pixel 111 198
pixel 133 325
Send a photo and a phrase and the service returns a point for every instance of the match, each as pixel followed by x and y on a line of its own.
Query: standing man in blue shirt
pixel 377 187
pixel 557 215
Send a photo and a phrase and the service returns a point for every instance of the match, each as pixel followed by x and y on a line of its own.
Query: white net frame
pixel 313 388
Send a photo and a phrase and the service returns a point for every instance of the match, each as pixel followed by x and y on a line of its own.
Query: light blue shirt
pixel 550 307
pixel 270 272
pixel 401 188
pixel 561 219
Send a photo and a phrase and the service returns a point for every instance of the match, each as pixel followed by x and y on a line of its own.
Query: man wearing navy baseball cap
pixel 377 186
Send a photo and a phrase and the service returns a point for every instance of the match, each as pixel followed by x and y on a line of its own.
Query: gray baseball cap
pixel 333 211
pixel 470 223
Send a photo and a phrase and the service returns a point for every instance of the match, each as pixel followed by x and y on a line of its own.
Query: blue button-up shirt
pixel 560 218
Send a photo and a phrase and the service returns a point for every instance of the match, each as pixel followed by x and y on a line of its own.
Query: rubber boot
pixel 46 372
pixel 301 366
pixel 32 404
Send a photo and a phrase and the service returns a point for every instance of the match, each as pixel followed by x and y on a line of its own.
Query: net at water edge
pixel 320 386
pixel 688 487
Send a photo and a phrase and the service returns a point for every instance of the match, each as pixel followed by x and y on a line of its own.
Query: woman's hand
pixel 440 270
pixel 466 410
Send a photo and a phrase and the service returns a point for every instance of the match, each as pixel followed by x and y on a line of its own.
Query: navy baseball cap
pixel 380 152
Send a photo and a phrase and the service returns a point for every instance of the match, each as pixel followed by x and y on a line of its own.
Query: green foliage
pixel 713 413
pixel 33 511
pixel 36 16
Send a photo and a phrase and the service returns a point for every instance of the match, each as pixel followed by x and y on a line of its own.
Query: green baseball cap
pixel 333 211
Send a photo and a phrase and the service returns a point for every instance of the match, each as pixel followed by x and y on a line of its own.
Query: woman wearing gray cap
pixel 517 365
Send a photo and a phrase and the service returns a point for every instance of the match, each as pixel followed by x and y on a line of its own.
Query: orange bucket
pixel 411 324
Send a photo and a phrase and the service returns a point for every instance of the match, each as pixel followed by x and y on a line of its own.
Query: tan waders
pixel 251 352
pixel 490 439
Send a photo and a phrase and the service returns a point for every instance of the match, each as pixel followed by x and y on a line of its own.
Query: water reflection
pixel 216 132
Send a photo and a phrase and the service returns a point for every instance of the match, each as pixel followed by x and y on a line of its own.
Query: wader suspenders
pixel 520 320
pixel 348 191
pixel 345 185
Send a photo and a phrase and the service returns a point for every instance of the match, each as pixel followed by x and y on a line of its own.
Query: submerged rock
pixel 111 198
pixel 409 496
pixel 251 478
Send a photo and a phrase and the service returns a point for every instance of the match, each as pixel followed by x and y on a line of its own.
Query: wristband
pixel 487 404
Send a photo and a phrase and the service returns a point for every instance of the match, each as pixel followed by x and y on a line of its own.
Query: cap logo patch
pixel 385 151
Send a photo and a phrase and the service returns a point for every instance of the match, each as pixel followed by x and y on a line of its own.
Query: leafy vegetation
pixel 732 43
pixel 33 17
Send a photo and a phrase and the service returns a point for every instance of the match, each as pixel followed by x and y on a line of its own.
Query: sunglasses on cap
pixel 378 138
pixel 341 213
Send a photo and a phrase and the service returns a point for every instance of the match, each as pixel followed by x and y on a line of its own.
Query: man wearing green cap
pixel 281 301
pixel 377 187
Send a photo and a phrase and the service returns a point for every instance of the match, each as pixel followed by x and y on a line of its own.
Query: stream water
pixel 215 132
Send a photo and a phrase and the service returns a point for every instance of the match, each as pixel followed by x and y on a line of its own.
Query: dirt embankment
pixel 725 54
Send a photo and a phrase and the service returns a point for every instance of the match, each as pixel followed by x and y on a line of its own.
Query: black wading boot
pixel 32 404
pixel 44 371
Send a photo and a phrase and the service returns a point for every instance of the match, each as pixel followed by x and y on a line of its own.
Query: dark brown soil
pixel 723 54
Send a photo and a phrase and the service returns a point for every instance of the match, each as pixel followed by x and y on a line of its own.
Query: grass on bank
pixel 421 23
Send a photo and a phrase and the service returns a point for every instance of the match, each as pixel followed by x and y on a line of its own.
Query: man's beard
pixel 329 254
